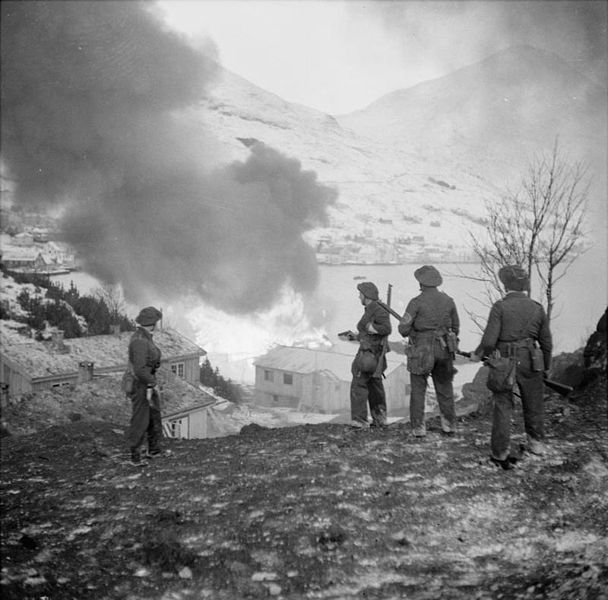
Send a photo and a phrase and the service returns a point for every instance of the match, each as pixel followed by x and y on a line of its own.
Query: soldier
pixel 144 357
pixel 370 362
pixel 515 325
pixel 432 325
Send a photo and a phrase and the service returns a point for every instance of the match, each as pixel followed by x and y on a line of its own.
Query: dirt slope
pixel 309 512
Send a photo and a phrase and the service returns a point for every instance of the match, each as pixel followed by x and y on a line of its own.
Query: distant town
pixel 29 244
pixel 367 250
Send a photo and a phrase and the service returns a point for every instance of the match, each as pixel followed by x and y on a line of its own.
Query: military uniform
pixel 144 357
pixel 514 325
pixel 366 386
pixel 427 320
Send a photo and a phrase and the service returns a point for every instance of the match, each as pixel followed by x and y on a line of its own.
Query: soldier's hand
pixel 474 357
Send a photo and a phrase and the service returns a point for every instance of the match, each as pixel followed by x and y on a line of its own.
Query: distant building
pixel 23 258
pixel 32 366
pixel 194 422
pixel 25 239
pixel 319 380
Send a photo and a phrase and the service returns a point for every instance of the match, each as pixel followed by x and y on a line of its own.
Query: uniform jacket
pixel 144 355
pixel 376 342
pixel 430 311
pixel 380 319
pixel 513 319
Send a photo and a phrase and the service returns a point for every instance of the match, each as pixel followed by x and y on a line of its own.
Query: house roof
pixel 42 359
pixel 307 360
pixel 188 410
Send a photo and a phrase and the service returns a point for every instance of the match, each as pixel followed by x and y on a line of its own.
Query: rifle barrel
pixel 386 307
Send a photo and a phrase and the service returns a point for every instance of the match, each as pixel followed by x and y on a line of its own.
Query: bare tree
pixel 114 299
pixel 539 227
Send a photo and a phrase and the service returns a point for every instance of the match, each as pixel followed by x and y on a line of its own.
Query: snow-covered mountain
pixel 421 161
pixel 512 103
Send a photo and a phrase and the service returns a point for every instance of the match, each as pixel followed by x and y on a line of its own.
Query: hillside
pixel 309 512
pixel 495 112
pixel 423 160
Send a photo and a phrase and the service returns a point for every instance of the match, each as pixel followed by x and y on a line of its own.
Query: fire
pixel 233 342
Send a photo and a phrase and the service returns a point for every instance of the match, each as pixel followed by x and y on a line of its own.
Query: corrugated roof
pixel 305 360
pixel 41 359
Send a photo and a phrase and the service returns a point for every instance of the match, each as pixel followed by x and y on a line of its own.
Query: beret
pixel 428 276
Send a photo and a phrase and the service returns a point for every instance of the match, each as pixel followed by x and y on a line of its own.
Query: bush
pixel 225 388
pixel 61 307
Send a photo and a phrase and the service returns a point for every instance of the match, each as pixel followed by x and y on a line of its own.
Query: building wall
pixel 192 426
pixel 395 386
pixel 323 392
pixel 276 392
pixel 17 382
pixel 20 383
pixel 57 382
pixel 192 369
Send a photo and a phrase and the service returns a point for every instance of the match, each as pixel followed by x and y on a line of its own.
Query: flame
pixel 233 342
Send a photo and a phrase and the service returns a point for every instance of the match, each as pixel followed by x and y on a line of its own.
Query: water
pixel 581 299
pixel 231 340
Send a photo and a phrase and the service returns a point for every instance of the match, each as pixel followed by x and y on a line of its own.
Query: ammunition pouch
pixel 366 362
pixel 420 356
pixel 501 376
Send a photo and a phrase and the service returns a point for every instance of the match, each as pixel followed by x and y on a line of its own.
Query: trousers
pixel 145 420
pixel 530 384
pixel 442 375
pixel 364 390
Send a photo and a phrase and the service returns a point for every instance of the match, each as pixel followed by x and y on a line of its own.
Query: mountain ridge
pixel 386 179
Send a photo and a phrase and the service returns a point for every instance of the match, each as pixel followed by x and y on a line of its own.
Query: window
pixel 267 375
pixel 177 369
pixel 177 428
pixel 288 378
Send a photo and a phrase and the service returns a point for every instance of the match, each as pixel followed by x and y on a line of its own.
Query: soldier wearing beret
pixel 370 362
pixel 428 319
pixel 516 326
pixel 144 359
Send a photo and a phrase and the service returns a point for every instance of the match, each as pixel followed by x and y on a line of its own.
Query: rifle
pixel 388 309
pixel 561 388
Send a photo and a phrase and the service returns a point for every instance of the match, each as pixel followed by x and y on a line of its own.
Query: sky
pixel 339 56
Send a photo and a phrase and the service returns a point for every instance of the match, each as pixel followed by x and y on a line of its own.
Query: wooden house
pixel 317 380
pixel 193 422
pixel 30 366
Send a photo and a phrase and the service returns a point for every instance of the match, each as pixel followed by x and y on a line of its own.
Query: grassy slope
pixel 314 511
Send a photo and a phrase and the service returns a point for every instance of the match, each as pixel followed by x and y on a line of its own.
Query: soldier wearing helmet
pixel 369 364
pixel 144 360
pixel 428 319
pixel 517 326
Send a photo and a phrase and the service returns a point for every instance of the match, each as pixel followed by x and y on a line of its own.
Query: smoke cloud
pixel 91 101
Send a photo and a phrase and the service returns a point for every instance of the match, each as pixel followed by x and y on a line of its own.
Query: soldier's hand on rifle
pixel 474 357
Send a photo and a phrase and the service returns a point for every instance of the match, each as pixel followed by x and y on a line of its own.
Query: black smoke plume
pixel 91 101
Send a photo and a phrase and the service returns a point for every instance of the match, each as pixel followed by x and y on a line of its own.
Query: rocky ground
pixel 309 512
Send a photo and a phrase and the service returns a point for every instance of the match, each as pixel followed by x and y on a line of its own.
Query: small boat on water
pixel 358 277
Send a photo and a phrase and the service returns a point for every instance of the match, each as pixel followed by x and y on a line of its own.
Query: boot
pixel 136 460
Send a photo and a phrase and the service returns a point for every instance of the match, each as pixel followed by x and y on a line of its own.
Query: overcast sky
pixel 338 56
